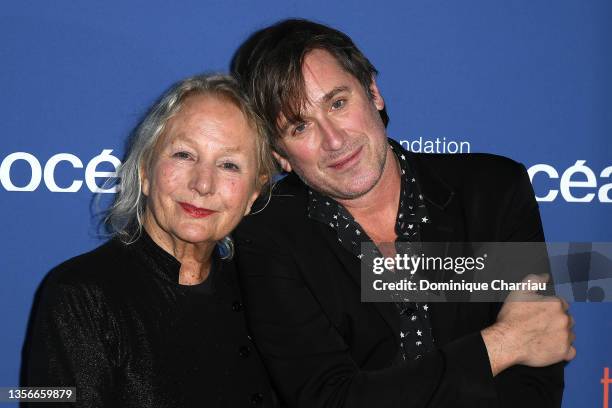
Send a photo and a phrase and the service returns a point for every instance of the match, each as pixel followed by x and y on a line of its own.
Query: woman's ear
pixel 145 184
pixel 251 201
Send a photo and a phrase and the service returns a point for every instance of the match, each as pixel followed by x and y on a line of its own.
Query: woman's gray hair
pixel 124 218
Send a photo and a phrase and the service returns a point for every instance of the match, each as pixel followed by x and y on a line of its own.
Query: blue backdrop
pixel 527 79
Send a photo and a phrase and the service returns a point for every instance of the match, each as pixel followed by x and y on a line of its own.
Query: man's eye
pixel 338 104
pixel 182 155
pixel 230 166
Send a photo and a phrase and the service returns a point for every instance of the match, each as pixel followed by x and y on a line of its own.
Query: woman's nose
pixel 203 179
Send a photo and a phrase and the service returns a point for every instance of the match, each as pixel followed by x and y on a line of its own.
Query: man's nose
pixel 202 180
pixel 332 135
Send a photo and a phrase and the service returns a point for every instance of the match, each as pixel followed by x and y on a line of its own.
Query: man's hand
pixel 531 329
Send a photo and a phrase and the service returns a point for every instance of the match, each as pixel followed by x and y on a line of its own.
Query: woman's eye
pixel 338 104
pixel 299 128
pixel 230 166
pixel 182 155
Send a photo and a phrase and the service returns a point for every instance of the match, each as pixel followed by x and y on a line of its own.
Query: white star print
pixel 413 180
pixel 413 318
pixel 420 196
pixel 403 157
pixel 357 232
pixel 425 307
pixel 419 332
pixel 402 335
pixel 410 226
pixel 418 343
pixel 424 219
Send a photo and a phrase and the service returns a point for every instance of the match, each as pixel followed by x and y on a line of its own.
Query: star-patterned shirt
pixel 415 328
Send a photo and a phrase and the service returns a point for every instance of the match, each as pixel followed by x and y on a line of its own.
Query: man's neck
pixel 376 211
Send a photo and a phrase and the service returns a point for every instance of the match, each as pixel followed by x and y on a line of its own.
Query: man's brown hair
pixel 268 66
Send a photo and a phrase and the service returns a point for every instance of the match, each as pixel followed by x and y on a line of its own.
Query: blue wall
pixel 531 80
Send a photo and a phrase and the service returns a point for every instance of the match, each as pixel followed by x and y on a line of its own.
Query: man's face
pixel 340 146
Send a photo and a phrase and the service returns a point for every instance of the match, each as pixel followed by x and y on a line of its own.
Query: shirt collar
pixel 164 265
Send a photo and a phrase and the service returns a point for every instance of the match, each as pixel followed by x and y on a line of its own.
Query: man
pixel 348 184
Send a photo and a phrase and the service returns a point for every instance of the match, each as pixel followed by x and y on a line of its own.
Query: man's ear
pixel 282 161
pixel 377 98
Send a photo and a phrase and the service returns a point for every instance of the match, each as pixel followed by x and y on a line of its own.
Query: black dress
pixel 116 324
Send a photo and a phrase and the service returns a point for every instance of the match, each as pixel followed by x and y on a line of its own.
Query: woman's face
pixel 203 174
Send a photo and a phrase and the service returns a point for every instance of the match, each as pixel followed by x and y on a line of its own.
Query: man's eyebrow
pixel 331 94
pixel 324 99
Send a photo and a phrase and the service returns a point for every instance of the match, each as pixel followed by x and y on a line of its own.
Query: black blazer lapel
pixel 352 266
pixel 446 226
pixel 443 228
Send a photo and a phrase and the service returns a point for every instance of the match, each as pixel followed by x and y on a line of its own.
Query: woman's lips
pixel 344 163
pixel 196 212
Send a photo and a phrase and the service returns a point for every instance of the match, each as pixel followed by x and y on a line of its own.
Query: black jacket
pixel 325 348
pixel 116 324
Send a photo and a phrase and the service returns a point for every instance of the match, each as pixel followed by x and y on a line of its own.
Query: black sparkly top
pixel 116 324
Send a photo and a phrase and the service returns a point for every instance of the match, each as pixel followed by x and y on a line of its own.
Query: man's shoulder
pixel 469 170
pixel 285 208
pixel 468 164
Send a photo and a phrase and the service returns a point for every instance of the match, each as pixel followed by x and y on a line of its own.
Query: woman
pixel 153 318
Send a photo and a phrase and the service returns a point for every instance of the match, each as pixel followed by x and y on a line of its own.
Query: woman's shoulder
pixel 96 267
pixel 80 288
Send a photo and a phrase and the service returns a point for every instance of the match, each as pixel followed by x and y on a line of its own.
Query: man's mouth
pixel 346 161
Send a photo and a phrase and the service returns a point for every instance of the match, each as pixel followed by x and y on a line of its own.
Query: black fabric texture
pixel 116 324
pixel 323 347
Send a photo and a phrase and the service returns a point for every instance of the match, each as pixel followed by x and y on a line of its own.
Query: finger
pixel 529 295
pixel 523 296
pixel 564 304
pixel 539 278
pixel 571 354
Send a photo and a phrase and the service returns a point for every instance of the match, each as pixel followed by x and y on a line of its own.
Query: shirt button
pixel 256 399
pixel 237 306
pixel 244 351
